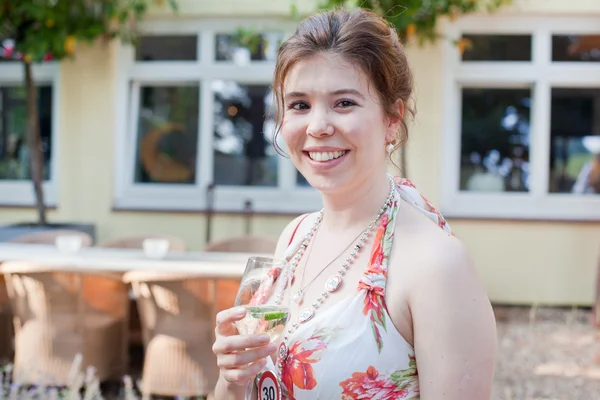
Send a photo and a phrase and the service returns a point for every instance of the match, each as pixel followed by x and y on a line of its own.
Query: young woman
pixel 382 287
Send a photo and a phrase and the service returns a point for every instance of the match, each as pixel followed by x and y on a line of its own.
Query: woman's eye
pixel 298 105
pixel 346 103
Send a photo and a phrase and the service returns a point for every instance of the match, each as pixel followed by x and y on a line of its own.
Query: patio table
pixel 209 265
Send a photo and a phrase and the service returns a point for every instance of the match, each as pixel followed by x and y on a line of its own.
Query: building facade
pixel 503 143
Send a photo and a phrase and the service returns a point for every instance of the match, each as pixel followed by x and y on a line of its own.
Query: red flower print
pixel 371 385
pixel 297 369
pixel 374 299
pixel 374 306
pixel 404 182
pixel 377 253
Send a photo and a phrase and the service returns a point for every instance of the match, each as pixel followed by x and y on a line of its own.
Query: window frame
pixel 286 198
pixel 19 193
pixel 541 75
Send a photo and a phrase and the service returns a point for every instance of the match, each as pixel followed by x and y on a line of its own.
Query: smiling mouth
pixel 326 155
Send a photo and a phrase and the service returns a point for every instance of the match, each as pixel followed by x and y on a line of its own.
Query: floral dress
pixel 352 350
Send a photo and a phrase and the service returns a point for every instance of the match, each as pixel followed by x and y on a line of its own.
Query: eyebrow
pixel 335 92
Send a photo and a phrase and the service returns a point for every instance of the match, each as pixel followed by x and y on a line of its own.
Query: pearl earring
pixel 390 148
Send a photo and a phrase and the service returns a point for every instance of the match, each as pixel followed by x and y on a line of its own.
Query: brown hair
pixel 364 39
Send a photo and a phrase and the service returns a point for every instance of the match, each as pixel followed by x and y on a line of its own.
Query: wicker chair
pixel 59 314
pixel 6 324
pixel 134 333
pixel 177 313
pixel 6 314
pixel 177 328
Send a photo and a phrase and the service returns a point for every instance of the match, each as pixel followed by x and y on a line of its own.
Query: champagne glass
pixel 264 292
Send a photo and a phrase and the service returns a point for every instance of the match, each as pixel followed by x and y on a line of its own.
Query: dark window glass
pixel 243 132
pixel 301 180
pixel 497 48
pixel 167 134
pixel 167 48
pixel 495 140
pixel 14 154
pixel 582 48
pixel 575 141
pixel 247 47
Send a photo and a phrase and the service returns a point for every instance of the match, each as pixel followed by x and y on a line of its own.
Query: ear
pixel 395 122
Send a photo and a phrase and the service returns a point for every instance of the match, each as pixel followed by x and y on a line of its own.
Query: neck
pixel 356 206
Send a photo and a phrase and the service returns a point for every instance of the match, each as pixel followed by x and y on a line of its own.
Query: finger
pixel 243 358
pixel 236 343
pixel 226 317
pixel 242 375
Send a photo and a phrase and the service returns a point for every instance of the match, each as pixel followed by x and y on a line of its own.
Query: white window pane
pixel 575 139
pixel 167 134
pixel 495 140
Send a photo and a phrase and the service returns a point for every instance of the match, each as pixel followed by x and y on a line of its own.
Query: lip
pixel 325 165
pixel 323 149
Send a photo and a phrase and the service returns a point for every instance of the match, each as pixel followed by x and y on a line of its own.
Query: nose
pixel 319 124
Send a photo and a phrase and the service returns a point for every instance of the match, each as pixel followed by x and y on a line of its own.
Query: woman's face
pixel 334 126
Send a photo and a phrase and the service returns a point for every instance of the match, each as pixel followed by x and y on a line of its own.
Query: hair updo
pixel 362 38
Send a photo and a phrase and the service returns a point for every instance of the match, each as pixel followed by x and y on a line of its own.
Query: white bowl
pixel 155 248
pixel 68 244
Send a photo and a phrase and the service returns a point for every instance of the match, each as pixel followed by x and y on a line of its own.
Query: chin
pixel 327 184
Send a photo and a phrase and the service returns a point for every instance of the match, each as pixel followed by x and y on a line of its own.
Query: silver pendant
pixel 333 283
pixel 305 315
pixel 298 297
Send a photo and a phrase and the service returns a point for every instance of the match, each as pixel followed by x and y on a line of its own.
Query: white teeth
pixel 326 156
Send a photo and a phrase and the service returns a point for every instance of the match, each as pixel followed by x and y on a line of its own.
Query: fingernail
pixel 239 310
pixel 271 347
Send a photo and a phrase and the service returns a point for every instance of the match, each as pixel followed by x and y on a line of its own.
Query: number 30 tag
pixel 268 387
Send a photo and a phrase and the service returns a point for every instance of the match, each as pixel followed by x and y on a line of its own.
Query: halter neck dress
pixel 352 350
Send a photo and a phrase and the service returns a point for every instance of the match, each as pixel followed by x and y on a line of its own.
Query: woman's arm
pixel 454 326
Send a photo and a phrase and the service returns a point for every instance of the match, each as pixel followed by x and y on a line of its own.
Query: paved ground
pixel 547 354
pixel 544 354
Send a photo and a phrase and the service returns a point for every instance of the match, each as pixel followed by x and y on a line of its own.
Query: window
pixel 15 174
pixel 166 134
pixel 523 101
pixel 200 114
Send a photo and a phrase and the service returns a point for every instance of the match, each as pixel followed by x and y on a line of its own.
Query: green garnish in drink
pixel 274 315
pixel 258 312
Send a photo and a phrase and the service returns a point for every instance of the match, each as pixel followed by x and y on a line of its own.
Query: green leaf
pixel 421 15
pixel 42 27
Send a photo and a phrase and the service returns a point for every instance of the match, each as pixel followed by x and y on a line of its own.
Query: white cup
pixel 155 248
pixel 68 244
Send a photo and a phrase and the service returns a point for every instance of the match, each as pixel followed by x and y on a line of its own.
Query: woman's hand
pixel 239 357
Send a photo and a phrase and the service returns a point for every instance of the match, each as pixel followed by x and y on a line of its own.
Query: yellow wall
pixel 519 262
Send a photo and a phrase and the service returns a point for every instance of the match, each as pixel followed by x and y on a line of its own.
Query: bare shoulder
pixel 427 250
pixel 435 261
pixel 453 321
pixel 295 227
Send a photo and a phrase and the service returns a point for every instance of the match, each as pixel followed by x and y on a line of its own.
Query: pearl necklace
pixel 334 282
